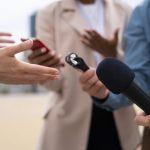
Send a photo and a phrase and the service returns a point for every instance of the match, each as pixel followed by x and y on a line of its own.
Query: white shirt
pixel 94 15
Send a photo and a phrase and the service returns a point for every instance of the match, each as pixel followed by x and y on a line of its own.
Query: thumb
pixel 116 35
pixel 14 49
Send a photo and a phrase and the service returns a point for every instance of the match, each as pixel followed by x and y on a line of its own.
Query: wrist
pixel 100 100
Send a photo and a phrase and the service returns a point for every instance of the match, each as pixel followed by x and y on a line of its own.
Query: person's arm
pixel 137 56
pixel 13 71
pixel 99 93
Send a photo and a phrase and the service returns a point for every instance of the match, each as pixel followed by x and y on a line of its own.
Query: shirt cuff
pixel 103 103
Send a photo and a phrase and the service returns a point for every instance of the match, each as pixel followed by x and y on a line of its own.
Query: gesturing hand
pixel 107 47
pixel 13 71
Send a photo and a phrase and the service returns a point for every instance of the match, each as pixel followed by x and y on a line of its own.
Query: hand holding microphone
pixel 91 84
pixel 115 76
pixel 119 78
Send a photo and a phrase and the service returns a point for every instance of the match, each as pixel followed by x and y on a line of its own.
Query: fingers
pixel 27 78
pixel 2 46
pixel 89 80
pixel 2 40
pixel 5 34
pixel 143 120
pixel 95 88
pixel 6 41
pixel 37 69
pixel 92 33
pixel 89 83
pixel 85 41
pixel 40 58
pixel 87 75
pixel 12 50
pixel 24 39
pixel 87 37
pixel 116 35
pixel 38 79
pixel 93 39
pixel 54 61
pixel 36 53
pixel 50 59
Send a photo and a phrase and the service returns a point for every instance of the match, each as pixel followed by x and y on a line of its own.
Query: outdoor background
pixel 22 107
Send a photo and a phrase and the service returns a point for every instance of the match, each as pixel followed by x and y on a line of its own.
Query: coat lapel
pixel 72 16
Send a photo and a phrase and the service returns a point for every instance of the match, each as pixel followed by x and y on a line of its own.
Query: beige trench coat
pixel 67 120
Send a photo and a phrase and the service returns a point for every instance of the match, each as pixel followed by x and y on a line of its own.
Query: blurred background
pixel 21 107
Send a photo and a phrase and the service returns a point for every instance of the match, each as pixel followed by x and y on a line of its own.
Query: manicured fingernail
pixel 28 42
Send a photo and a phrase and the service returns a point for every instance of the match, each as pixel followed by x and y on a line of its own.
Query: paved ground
pixel 21 121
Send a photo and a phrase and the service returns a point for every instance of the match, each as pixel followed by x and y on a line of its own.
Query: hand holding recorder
pixel 88 79
pixel 44 56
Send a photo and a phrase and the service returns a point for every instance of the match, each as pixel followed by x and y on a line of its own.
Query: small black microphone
pixel 119 78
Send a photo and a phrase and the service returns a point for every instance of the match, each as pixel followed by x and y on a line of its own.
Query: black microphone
pixel 119 78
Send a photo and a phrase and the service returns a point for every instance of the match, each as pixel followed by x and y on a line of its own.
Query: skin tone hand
pixel 49 59
pixel 13 71
pixel 143 120
pixel 91 84
pixel 5 40
pixel 106 47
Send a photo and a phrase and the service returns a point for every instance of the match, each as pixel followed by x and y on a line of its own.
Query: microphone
pixel 119 78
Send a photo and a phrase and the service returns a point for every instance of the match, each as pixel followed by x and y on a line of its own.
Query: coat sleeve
pixel 137 56
pixel 45 31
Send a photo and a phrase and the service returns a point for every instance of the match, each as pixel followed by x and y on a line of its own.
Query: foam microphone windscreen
pixel 115 75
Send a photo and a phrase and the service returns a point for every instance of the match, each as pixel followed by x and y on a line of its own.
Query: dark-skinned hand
pixel 106 47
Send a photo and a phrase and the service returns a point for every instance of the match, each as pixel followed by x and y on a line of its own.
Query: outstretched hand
pixel 13 71
pixel 106 47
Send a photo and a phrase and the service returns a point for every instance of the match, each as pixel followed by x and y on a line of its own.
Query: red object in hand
pixel 37 44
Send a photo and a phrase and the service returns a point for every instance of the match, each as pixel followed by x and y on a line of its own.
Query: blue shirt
pixel 136 43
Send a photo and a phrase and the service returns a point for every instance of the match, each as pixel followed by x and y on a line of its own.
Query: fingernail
pixel 57 77
pixel 52 53
pixel 28 42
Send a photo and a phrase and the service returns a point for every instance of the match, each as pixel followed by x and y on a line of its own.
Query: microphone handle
pixel 139 97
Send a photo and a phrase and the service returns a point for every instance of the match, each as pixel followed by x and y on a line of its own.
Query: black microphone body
pixel 138 96
pixel 119 78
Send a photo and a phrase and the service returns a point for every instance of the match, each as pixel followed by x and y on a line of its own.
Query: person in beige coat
pixel 67 122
